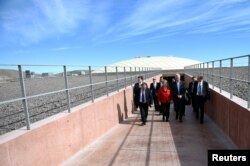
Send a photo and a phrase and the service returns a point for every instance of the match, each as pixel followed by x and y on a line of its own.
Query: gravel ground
pixel 12 114
pixel 240 88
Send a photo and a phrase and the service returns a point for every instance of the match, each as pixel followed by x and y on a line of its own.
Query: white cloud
pixel 37 19
pixel 158 19
pixel 64 48
pixel 106 21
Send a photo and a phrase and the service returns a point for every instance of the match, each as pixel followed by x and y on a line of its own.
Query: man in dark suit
pixel 145 100
pixel 201 89
pixel 191 91
pixel 178 92
pixel 153 89
pixel 159 85
pixel 136 91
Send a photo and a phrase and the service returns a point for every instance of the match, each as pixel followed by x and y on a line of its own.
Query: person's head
pixel 177 77
pixel 165 83
pixel 154 80
pixel 194 79
pixel 144 85
pixel 140 79
pixel 161 79
pixel 200 78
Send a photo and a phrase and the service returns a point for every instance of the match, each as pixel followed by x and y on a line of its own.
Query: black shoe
pixel 142 124
pixel 176 117
pixel 180 120
pixel 167 120
pixel 201 122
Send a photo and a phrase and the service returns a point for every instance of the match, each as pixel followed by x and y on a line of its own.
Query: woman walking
pixel 164 98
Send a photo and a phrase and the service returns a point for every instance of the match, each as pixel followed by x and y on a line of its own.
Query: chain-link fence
pixel 29 93
pixel 231 75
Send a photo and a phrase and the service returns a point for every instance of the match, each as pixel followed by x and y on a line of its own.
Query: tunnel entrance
pixel 170 76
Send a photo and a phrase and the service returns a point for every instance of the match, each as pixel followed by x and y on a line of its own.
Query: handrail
pixel 230 76
pixel 126 76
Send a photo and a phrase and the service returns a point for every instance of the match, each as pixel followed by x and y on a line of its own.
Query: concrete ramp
pixel 158 143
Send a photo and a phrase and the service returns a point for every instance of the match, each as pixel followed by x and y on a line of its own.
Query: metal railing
pixel 231 75
pixel 35 94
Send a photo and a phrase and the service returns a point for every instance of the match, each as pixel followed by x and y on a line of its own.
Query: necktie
pixel 143 97
pixel 192 90
pixel 178 87
pixel 199 89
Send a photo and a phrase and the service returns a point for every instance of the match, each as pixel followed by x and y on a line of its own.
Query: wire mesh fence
pixel 30 93
pixel 231 75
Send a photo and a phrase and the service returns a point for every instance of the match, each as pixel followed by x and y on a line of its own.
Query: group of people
pixel 163 92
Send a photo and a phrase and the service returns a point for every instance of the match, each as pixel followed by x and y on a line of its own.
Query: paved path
pixel 157 143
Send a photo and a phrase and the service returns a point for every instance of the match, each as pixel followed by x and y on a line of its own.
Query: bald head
pixel 177 77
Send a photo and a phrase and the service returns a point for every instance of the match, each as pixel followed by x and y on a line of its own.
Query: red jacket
pixel 164 96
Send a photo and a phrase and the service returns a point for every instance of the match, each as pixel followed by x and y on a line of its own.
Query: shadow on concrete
pixel 120 114
pixel 192 140
pixel 128 121
pixel 125 105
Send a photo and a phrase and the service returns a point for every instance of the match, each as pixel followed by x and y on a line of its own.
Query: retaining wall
pixel 55 139
pixel 230 116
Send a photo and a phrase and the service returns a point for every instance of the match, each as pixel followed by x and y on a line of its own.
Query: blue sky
pixel 97 32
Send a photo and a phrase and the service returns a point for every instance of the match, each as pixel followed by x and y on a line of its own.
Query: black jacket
pixel 148 96
pixel 205 89
pixel 175 90
pixel 136 91
pixel 154 90
pixel 190 87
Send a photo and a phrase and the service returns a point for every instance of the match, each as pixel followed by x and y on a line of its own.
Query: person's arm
pixel 159 96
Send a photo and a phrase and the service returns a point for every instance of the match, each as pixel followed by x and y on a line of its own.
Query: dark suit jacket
pixel 205 89
pixel 136 90
pixel 190 87
pixel 175 90
pixel 153 90
pixel 158 86
pixel 148 96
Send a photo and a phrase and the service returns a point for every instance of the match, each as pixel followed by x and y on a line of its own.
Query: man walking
pixel 153 89
pixel 178 92
pixel 202 94
pixel 145 100
pixel 136 91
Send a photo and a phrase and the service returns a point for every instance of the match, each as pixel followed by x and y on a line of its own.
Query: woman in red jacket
pixel 164 98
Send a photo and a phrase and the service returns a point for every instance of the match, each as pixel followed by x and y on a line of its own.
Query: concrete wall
pixel 231 117
pixel 54 140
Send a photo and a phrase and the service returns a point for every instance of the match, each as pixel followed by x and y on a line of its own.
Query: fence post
pixel 125 79
pixel 135 74
pixel 220 76
pixel 203 70
pixel 106 81
pixel 25 103
pixel 91 85
pixel 117 81
pixel 208 78
pixel 213 74
pixel 131 76
pixel 66 86
pixel 248 102
pixel 231 78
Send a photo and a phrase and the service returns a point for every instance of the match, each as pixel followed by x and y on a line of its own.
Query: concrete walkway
pixel 157 143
